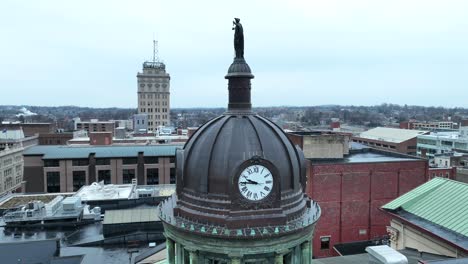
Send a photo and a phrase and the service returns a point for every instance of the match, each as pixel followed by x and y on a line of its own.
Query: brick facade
pixel 350 195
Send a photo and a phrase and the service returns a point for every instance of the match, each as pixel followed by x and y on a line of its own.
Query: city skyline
pixel 360 53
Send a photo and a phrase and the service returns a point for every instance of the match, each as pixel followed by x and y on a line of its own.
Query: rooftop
pixel 438 206
pixel 388 134
pixel 15 200
pixel 413 257
pixel 100 192
pixel 38 251
pixel 444 135
pixel 126 216
pixel 363 154
pixel 108 151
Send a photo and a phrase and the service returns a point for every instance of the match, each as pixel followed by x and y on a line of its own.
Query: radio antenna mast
pixel 155 51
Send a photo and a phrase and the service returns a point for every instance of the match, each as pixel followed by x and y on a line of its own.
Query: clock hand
pixel 252 182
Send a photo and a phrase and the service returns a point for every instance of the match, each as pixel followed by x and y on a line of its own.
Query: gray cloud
pixel 302 52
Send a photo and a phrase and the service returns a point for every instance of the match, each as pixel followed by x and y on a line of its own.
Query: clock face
pixel 255 182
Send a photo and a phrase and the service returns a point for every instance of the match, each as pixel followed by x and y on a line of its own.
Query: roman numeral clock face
pixel 255 182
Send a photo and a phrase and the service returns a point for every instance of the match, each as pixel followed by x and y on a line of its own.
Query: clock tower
pixel 240 194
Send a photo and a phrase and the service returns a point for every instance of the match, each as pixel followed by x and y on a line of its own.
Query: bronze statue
pixel 238 38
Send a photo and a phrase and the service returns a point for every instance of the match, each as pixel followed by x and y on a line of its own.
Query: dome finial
pixel 239 73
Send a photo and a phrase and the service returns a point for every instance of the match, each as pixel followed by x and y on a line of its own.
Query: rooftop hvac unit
pixel 385 255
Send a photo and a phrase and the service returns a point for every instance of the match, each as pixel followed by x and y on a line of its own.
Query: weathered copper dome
pixel 213 154
pixel 211 160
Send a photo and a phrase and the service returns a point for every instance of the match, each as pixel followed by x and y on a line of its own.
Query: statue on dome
pixel 238 38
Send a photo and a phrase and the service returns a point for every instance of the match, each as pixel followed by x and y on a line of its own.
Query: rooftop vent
pixel 385 255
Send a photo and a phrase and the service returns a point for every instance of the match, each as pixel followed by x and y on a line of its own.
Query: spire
pixel 239 74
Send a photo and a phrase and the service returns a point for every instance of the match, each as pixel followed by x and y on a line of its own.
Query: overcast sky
pixel 87 53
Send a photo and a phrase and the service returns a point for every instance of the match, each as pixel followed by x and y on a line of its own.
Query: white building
pixel 442 142
pixel 11 169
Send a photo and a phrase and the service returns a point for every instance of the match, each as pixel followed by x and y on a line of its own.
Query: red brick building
pixel 442 172
pixel 55 138
pixel 351 190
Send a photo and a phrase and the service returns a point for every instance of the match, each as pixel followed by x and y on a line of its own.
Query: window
pixel 151 160
pixel 104 175
pixel 127 161
pixel 51 163
pixel 7 162
pixel 79 179
pixel 152 176
pixel 80 162
pixel 325 242
pixel 128 175
pixel 53 181
pixel 173 176
pixel 172 159
pixel 18 169
pixel 102 161
pixel 8 172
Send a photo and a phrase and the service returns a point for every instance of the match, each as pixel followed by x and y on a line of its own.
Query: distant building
pixel 140 123
pixel 11 169
pixel 67 168
pixel 12 144
pixel 393 139
pixel 29 129
pixel 322 144
pixel 441 125
pixel 429 145
pixel 431 218
pixel 55 138
pixel 127 124
pixel 154 94
pixel 351 190
pixel 94 125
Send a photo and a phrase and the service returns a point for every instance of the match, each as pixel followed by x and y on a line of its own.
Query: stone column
pixel 306 251
pixel 279 255
pixel 193 255
pixel 179 258
pixel 279 258
pixel 235 260
pixel 170 251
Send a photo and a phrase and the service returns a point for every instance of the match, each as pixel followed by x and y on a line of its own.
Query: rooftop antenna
pixel 155 51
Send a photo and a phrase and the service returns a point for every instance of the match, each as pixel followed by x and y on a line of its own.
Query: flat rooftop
pixel 368 155
pixel 413 257
pixel 129 216
pixel 394 135
pixel 110 151
pixel 16 200
pixel 95 191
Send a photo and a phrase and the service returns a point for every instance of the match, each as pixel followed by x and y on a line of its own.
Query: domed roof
pixel 217 149
pixel 239 173
pixel 208 169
